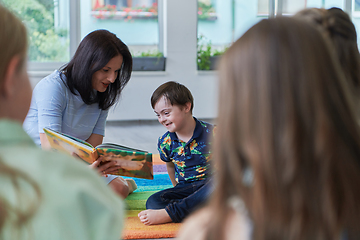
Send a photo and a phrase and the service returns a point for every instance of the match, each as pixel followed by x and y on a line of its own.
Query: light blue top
pixel 54 106
pixel 74 203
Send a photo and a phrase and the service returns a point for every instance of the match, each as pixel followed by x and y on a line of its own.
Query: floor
pixel 139 134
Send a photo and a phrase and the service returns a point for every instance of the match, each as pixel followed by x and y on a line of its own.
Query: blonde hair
pixel 13 39
pixel 285 114
pixel 13 43
pixel 17 215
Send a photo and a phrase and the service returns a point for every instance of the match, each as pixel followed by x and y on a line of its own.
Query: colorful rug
pixel 136 201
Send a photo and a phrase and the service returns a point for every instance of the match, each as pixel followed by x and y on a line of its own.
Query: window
pixel 206 10
pixel 129 9
pixel 287 6
pixel 232 19
pixel 53 40
pixel 356 7
pixel 120 4
pixel 47 23
pixel 135 22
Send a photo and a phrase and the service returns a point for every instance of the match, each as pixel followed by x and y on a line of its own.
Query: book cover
pixel 134 162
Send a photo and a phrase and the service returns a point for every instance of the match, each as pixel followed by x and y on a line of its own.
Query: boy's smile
pixel 170 116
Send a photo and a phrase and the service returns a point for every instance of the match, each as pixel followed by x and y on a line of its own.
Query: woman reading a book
pixel 75 99
pixel 43 195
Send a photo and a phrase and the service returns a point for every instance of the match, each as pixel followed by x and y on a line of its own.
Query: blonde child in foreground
pixel 43 195
pixel 186 149
pixel 287 143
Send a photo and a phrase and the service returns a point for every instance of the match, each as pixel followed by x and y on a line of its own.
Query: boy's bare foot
pixel 132 185
pixel 152 216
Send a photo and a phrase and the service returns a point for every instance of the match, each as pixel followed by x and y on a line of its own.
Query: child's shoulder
pixel 207 126
pixel 167 134
pixel 166 137
pixel 164 145
pixel 205 129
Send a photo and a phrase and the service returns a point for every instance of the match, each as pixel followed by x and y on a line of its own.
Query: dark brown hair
pixel 337 25
pixel 93 53
pixel 285 115
pixel 175 92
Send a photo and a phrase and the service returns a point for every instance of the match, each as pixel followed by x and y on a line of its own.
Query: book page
pixel 70 145
pixel 133 163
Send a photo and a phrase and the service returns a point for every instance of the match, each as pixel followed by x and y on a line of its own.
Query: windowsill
pixel 206 72
pixel 213 64
pixel 140 64
pixel 149 64
pixel 38 68
pixel 355 14
pixel 42 74
pixel 103 14
pixel 148 73
pixel 263 15
pixel 39 74
pixel 207 17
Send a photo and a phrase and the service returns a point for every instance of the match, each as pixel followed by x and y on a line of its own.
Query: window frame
pixel 276 8
pixel 354 13
pixel 38 68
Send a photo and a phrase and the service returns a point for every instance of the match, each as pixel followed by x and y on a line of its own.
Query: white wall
pixel 180 31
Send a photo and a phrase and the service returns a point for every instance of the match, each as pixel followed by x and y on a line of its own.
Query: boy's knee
pixel 154 202
pixel 150 202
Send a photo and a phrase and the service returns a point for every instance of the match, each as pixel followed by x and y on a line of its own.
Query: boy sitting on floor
pixel 186 149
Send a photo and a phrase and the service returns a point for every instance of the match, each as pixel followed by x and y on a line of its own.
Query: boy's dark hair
pixel 93 53
pixel 175 92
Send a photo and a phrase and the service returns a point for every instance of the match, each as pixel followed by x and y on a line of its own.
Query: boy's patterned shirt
pixel 191 159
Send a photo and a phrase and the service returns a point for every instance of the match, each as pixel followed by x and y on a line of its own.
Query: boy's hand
pixel 171 171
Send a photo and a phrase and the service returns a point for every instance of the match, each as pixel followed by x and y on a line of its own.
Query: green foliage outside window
pixel 46 43
pixel 205 51
pixel 203 54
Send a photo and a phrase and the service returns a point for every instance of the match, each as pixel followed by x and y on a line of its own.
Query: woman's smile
pixel 102 78
pixel 106 85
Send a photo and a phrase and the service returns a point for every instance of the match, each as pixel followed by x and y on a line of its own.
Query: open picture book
pixel 133 162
